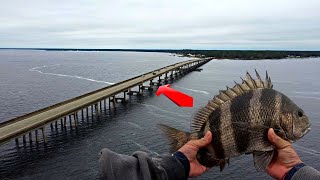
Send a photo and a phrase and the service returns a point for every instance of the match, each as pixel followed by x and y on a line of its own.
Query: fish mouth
pixel 306 131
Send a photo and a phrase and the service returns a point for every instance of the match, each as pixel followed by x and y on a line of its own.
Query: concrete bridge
pixel 69 111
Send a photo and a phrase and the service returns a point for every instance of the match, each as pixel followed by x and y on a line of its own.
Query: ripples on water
pixel 73 154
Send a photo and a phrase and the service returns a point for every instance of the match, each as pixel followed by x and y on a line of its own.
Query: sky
pixel 161 24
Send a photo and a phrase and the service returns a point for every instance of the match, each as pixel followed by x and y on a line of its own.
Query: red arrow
pixel 175 96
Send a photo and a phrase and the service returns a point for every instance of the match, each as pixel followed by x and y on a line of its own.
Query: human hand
pixel 191 149
pixel 284 158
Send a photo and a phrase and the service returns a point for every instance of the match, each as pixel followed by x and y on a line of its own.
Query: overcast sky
pixel 178 24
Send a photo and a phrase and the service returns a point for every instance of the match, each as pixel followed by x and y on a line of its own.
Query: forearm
pixel 139 166
pixel 304 172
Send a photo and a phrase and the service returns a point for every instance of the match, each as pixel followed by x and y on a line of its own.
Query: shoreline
pixel 213 54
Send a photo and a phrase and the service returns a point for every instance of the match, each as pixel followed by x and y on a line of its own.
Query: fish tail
pixel 176 137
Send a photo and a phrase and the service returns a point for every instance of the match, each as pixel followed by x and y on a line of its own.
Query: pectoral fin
pixel 262 159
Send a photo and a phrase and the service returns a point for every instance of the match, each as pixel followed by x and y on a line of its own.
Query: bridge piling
pixel 87 112
pixel 64 125
pixel 24 139
pixel 61 123
pixel 43 135
pixel 70 121
pixel 124 96
pixel 151 84
pixel 56 125
pixel 82 117
pixel 114 102
pixel 76 119
pixel 30 137
pixel 92 111
pixel 159 81
pixel 96 108
pixel 36 134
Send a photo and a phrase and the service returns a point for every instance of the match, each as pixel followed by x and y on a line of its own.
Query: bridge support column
pixel 76 119
pixel 65 122
pixel 17 141
pixel 70 121
pixel 56 125
pixel 92 111
pixel 159 81
pixel 24 139
pixel 171 76
pixel 166 79
pixel 61 123
pixel 82 116
pixel 36 134
pixel 150 88
pixel 30 137
pixel 51 125
pixel 109 103
pixel 87 111
pixel 96 108
pixel 44 135
pixel 114 102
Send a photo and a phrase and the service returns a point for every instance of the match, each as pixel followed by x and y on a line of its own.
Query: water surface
pixel 30 80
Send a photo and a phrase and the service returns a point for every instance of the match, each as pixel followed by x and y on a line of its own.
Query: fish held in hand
pixel 239 119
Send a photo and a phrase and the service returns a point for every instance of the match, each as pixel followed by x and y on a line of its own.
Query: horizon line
pixel 154 49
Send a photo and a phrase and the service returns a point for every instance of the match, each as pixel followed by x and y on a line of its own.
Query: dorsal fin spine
pixel 252 81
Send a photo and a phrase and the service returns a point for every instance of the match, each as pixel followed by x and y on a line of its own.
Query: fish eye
pixel 300 113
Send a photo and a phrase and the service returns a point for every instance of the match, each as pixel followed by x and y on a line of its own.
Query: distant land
pixel 215 54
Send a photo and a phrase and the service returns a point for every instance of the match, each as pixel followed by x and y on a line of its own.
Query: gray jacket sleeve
pixel 139 166
pixel 306 173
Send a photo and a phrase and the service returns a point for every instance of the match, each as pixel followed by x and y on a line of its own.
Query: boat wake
pixel 135 125
pixel 194 90
pixel 144 148
pixel 36 69
pixel 152 107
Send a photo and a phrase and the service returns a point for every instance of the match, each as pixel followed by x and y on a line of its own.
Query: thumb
pixel 276 140
pixel 204 141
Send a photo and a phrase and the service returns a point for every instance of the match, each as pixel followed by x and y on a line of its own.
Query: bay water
pixel 30 80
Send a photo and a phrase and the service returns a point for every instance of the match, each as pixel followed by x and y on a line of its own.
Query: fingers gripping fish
pixel 239 119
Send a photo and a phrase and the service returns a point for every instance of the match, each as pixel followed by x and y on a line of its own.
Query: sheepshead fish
pixel 239 119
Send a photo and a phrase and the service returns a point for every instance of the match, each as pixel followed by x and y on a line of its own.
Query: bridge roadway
pixel 39 119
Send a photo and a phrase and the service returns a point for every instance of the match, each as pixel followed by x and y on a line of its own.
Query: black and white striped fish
pixel 239 119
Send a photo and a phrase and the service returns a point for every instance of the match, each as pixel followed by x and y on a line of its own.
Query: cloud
pixel 208 24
